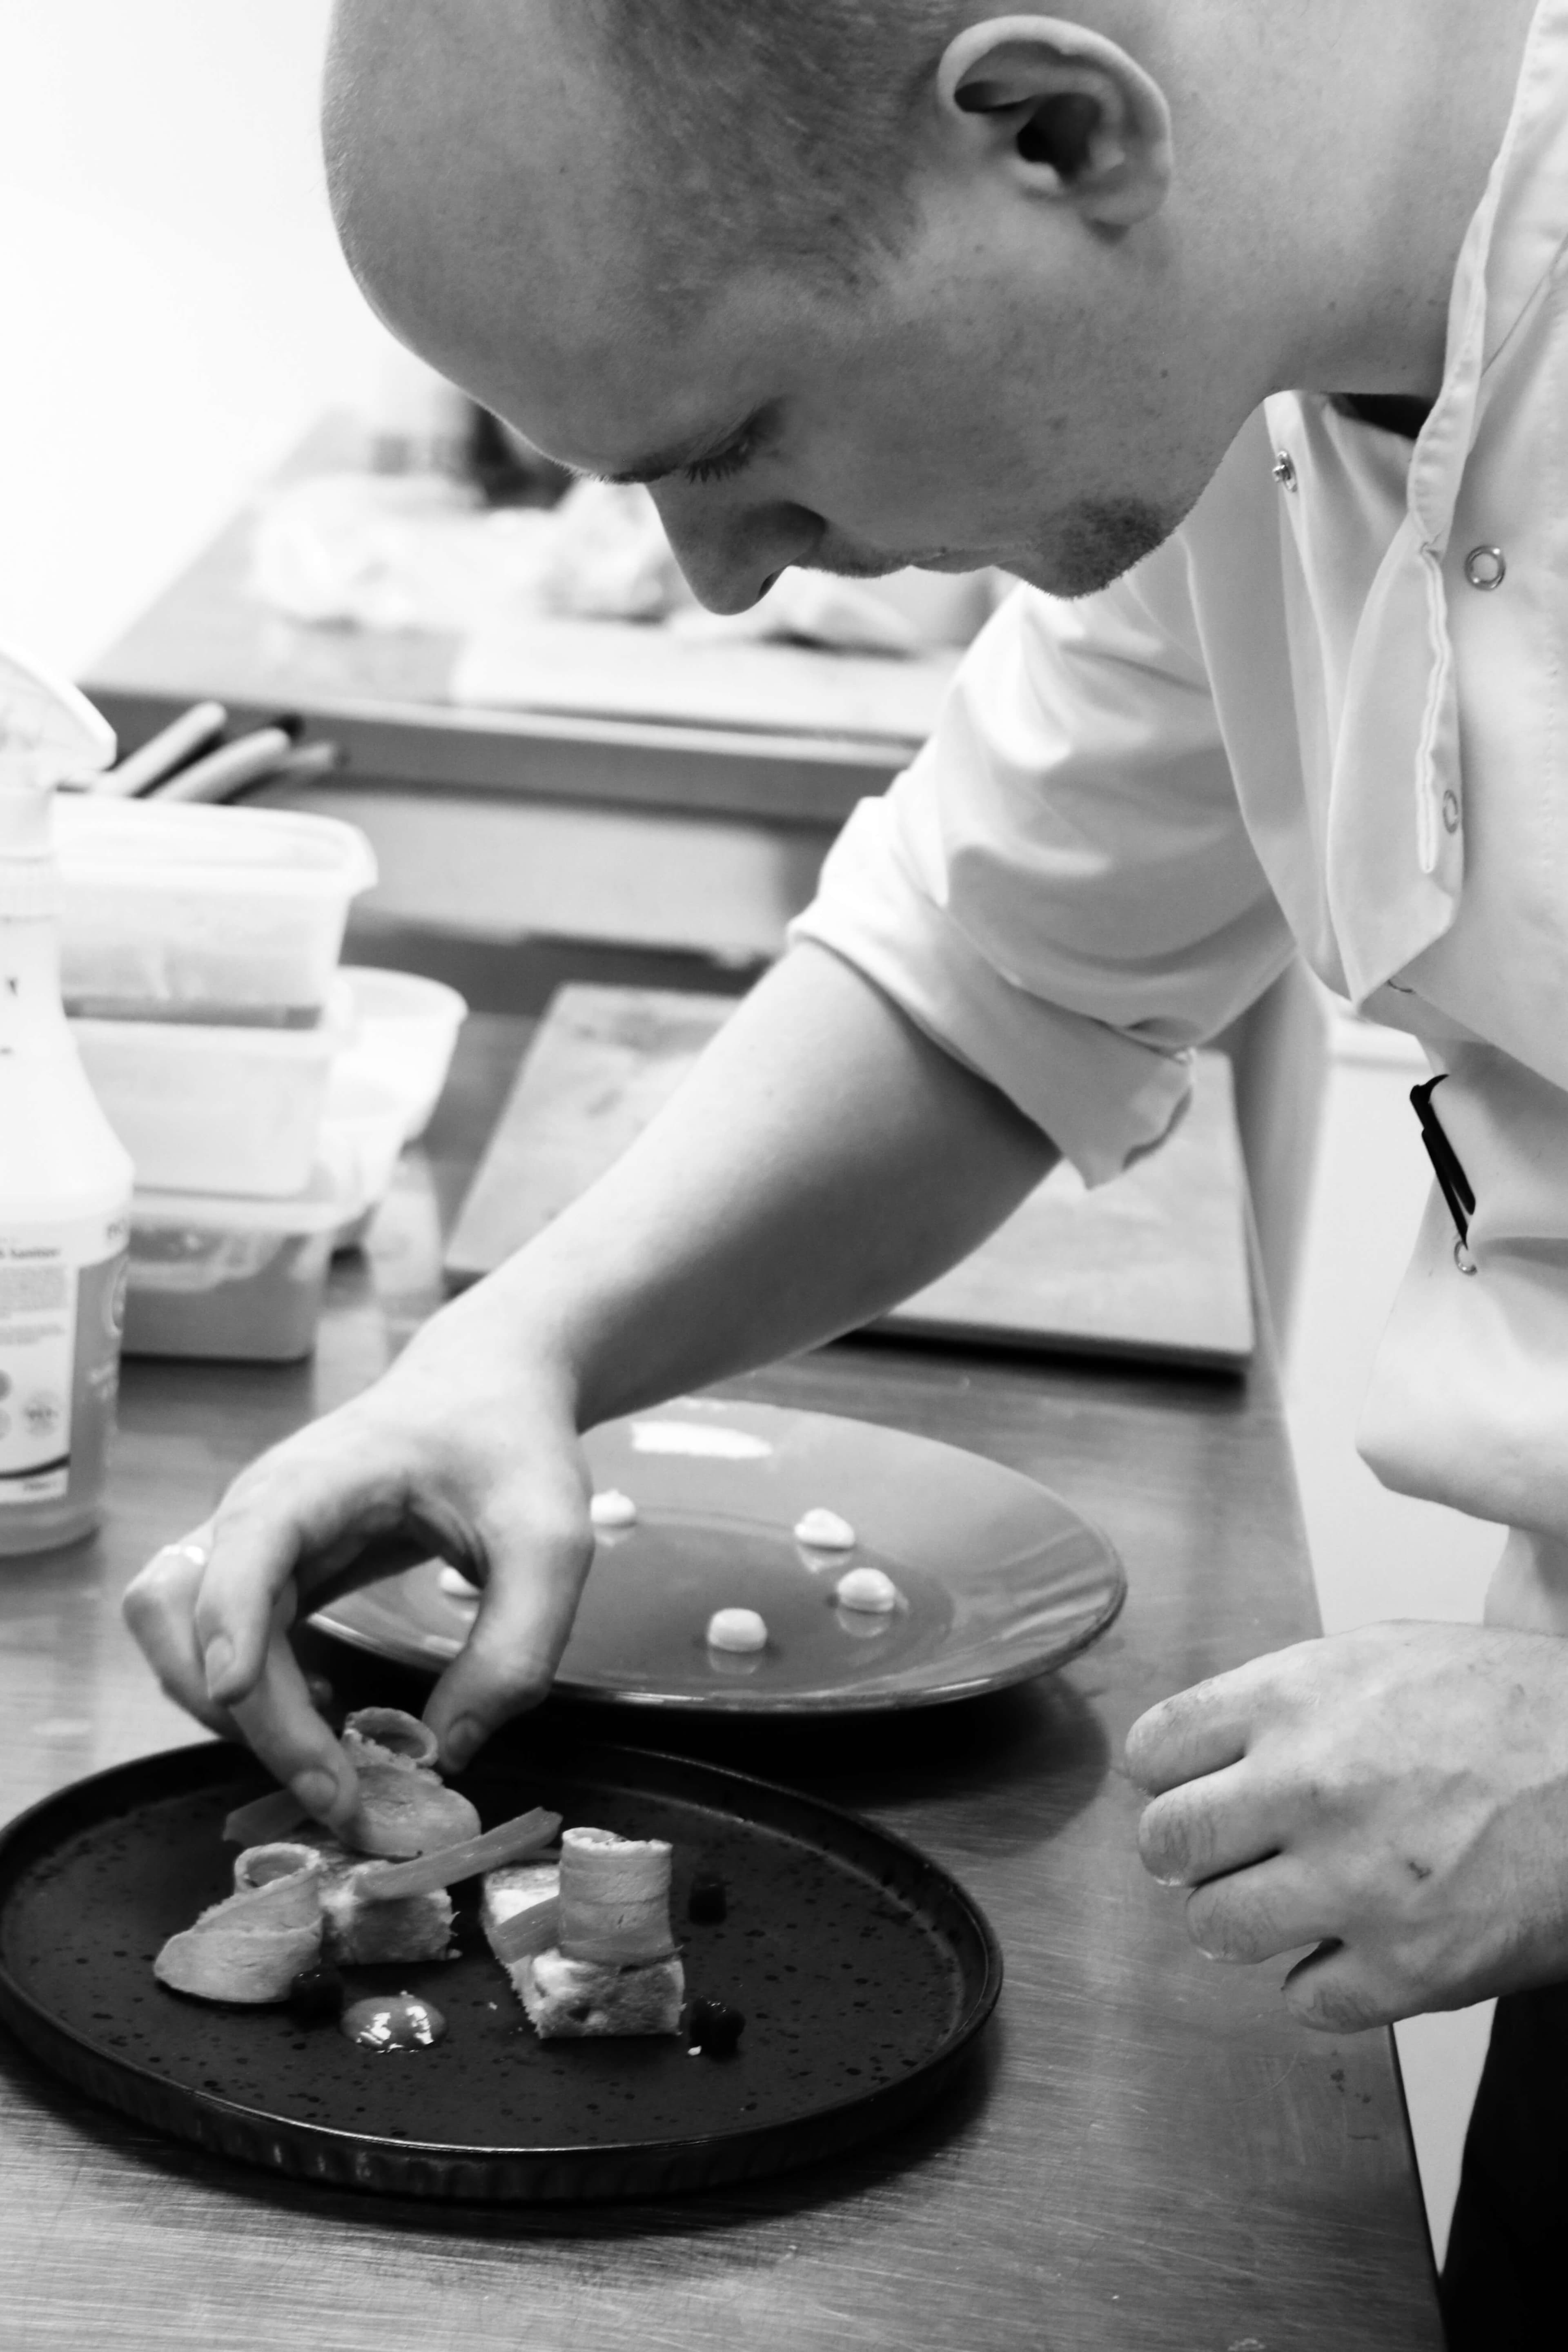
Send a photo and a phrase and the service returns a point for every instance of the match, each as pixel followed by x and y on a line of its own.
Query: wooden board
pixel 638 670
pixel 1154 1266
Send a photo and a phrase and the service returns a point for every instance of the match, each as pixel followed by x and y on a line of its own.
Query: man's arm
pixel 824 1160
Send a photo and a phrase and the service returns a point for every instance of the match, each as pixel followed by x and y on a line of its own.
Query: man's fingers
pixel 1333 1991
pixel 1255 1915
pixel 1219 1823
pixel 160 1609
pixel 1200 1730
pixel 299 1513
pixel 278 1716
pixel 539 1546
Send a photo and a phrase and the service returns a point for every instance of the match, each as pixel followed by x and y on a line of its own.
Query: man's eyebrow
pixel 664 462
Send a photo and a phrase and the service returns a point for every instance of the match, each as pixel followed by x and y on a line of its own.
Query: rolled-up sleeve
pixel 1060 890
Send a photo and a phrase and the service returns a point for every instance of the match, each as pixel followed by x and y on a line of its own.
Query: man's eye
pixel 718 467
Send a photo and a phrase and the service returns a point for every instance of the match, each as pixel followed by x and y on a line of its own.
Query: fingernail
pixel 461 1742
pixel 317 1791
pixel 218 1662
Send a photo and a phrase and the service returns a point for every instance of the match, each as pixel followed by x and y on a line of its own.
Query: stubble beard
pixel 1093 544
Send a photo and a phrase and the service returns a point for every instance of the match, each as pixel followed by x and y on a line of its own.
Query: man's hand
pixel 824 1159
pixel 451 1452
pixel 1397 1798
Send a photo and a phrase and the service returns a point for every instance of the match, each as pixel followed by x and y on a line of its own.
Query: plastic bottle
pixel 65 1178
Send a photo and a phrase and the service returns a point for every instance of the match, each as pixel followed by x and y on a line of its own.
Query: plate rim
pixel 370 2161
pixel 735 1699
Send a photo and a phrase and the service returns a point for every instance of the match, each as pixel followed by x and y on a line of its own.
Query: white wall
pixel 175 309
pixel 1375 1554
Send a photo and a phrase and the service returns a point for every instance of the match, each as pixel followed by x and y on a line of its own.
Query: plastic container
pixel 65 1182
pixel 221 914
pixel 405 1029
pixel 361 1138
pixel 212 1109
pixel 240 1280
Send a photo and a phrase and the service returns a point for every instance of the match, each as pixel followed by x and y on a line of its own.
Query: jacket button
pixel 1285 469
pixel 1451 811
pixel 1486 567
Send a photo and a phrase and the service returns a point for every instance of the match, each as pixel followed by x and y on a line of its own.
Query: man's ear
pixel 1076 118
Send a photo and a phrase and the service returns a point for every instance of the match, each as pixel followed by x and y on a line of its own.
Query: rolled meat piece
pixel 614 1898
pixel 268 1865
pixel 252 1947
pixel 385 1734
pixel 403 1809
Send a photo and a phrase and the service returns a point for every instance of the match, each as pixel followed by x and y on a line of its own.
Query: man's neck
pixel 1377 177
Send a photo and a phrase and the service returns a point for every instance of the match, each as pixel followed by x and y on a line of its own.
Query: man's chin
pixel 1091 546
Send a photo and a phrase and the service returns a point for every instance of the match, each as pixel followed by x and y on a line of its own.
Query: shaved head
pixel 860 284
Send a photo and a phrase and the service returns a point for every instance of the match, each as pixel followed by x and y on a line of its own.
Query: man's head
pixel 854 283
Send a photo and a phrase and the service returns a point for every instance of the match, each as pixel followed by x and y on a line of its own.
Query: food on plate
pixel 737 1629
pixel 610 1508
pixel 404 1808
pixel 615 1896
pixel 316 1995
pixel 264 1865
pixel 715 2028
pixel 567 2000
pixel 379 1911
pixel 445 1865
pixel 251 1947
pixel 521 1913
pixel 359 1930
pixel 823 1530
pixel 615 1969
pixel 868 1590
pixel 390 2023
pixel 708 1900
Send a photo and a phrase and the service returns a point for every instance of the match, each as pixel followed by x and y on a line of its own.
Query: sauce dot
pixel 866 1589
pixel 400 2021
pixel 611 1509
pixel 736 1628
pixel 823 1530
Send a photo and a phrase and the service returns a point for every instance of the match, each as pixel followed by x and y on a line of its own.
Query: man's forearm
pixel 824 1160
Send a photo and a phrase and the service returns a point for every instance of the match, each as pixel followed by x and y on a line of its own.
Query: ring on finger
pixel 197 1554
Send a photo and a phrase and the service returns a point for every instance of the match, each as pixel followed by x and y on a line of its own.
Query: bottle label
pixel 62 1305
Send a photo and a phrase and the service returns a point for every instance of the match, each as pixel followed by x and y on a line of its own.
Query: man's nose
pixel 731 553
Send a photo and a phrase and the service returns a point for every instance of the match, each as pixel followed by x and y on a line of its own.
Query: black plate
pixel 863 1970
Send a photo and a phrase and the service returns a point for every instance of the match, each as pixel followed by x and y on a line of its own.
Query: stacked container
pixel 199 954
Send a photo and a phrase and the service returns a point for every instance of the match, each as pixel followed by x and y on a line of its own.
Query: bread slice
pixel 520 1912
pixel 574 1999
pixel 359 1934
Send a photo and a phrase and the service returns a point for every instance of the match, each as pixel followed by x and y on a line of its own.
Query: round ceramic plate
pixel 864 1973
pixel 998 1578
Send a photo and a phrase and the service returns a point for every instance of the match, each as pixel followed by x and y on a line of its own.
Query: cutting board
pixel 1153 1265
pixel 635 670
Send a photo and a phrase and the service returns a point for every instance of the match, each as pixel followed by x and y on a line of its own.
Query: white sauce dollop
pixel 823 1530
pixel 736 1628
pixel 866 1589
pixel 611 1509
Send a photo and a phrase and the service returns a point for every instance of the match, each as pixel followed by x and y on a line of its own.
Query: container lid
pixel 319 1208
pixel 156 845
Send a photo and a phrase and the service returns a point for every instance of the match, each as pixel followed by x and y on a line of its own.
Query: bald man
pixel 1235 332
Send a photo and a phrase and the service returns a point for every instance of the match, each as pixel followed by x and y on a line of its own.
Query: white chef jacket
pixel 1329 715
